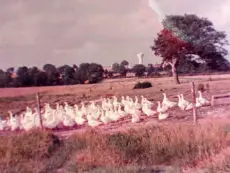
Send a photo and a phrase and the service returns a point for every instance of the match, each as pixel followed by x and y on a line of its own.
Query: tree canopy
pixel 139 70
pixel 187 34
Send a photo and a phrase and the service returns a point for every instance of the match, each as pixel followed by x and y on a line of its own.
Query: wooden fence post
pixel 194 103
pixel 39 109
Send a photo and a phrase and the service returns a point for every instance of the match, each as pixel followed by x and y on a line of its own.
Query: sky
pixel 59 32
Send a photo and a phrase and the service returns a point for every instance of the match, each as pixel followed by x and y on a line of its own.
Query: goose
pixel 92 122
pixel 28 109
pixel 202 100
pixel 185 104
pixel 163 116
pixel 97 114
pixel 83 108
pixel 14 121
pixel 121 112
pixel 3 124
pixel 114 116
pixel 36 118
pixel 66 106
pixel 68 121
pixel 146 101
pixel 115 103
pixel 136 104
pixel 135 113
pixel 180 104
pixel 93 105
pixel 198 103
pixel 70 112
pixel 123 101
pixel 105 117
pixel 26 123
pixel 76 108
pixel 167 102
pixel 161 108
pixel 104 104
pixel 147 111
pixel 50 123
pixel 79 120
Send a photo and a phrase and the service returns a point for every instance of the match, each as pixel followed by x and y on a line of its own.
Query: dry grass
pixel 133 151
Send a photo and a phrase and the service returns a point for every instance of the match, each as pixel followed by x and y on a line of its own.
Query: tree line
pixel 88 73
pixel 51 75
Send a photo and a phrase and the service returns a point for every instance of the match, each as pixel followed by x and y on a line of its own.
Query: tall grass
pixel 172 144
pixel 175 144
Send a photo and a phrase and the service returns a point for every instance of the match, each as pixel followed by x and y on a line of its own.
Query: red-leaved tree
pixel 171 49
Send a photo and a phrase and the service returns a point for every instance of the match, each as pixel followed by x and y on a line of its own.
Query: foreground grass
pixel 178 145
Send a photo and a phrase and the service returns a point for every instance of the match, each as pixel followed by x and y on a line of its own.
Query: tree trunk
pixel 174 71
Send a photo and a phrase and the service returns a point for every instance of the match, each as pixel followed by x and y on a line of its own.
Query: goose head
pixel 11 114
pixel 200 94
pixel 179 97
pixel 82 104
pixel 164 95
pixel 28 109
pixel 158 104
pixel 57 105
pixel 76 106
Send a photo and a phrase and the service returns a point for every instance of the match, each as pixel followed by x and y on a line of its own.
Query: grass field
pixel 171 146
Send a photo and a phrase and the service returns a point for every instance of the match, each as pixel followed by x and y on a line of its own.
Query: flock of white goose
pixel 95 114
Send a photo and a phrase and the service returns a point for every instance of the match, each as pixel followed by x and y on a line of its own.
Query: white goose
pixel 146 101
pixel 202 100
pixel 135 113
pixel 79 118
pixel 50 123
pixel 185 104
pixel 14 122
pixel 167 102
pixel 68 121
pixel 161 108
pixel 147 111
pixel 3 124
pixel 163 116
pixel 105 117
pixel 92 122
pixel 27 123
pixel 136 104
pixel 121 112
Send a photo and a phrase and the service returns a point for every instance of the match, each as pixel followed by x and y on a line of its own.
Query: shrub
pixel 142 85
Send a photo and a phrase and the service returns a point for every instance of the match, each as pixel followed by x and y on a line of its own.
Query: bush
pixel 142 85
